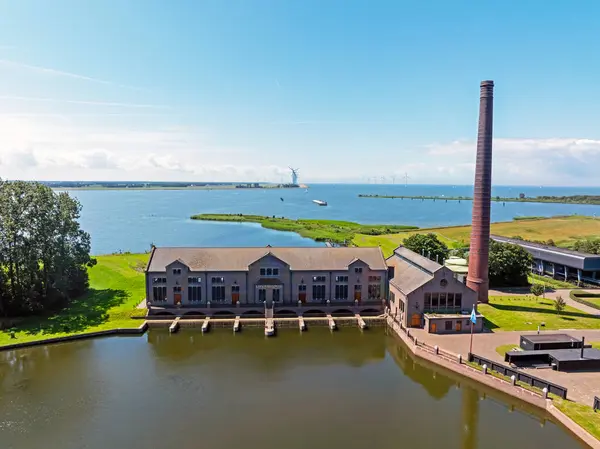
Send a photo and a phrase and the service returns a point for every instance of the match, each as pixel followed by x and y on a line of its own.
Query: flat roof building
pixel 559 263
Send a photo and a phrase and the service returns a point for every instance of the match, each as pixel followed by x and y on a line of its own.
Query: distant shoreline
pixel 200 187
pixel 593 200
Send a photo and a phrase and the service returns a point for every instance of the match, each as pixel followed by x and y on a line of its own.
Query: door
pixel 177 298
pixel 458 326
pixel 415 320
pixel 433 328
pixel 235 297
pixel 302 297
pixel 276 295
pixel 357 296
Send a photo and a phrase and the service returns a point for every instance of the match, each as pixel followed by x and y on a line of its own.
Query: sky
pixel 344 90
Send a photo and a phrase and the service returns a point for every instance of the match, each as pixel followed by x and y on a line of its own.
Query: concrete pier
pixel 236 324
pixel 361 322
pixel 174 327
pixel 269 327
pixel 206 325
pixel 332 325
pixel 301 324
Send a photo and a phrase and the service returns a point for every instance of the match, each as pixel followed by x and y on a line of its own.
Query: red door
pixel 177 298
pixel 302 297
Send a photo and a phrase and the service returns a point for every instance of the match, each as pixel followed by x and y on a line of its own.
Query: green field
pixel 116 288
pixel 563 230
pixel 319 230
pixel 519 313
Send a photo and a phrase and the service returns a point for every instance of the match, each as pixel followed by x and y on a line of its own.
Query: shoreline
pixel 595 201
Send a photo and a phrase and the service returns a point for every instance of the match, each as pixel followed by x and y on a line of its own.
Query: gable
pixel 269 260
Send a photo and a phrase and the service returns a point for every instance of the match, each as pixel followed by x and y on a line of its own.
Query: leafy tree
pixel 537 290
pixel 43 251
pixel 427 244
pixel 591 246
pixel 559 304
pixel 509 265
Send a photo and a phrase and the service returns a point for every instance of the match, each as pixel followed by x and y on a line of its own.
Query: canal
pixel 346 389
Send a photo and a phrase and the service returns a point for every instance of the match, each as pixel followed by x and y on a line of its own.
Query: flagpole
pixel 471 346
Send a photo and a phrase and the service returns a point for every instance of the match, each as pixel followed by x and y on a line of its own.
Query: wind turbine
pixel 406 177
pixel 294 175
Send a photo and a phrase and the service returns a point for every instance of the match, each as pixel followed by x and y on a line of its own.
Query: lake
pixel 348 389
pixel 130 220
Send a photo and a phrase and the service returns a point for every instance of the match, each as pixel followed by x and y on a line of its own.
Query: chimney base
pixel 481 287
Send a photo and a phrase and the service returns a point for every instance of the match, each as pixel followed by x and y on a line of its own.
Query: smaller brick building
pixel 423 293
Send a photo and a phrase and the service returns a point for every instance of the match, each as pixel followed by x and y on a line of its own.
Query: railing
pixel 596 403
pixel 520 376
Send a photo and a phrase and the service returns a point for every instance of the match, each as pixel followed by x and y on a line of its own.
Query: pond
pixel 347 389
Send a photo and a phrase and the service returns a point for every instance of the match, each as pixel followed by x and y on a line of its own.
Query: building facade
pixel 423 293
pixel 560 263
pixel 205 277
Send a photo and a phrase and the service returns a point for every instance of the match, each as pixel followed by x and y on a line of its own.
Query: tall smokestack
pixel 477 278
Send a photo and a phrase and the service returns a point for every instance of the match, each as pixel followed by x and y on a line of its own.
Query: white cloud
pixel 83 102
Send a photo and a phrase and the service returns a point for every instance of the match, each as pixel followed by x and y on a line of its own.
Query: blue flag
pixel 473 316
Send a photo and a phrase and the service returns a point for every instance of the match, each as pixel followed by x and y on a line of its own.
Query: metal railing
pixel 519 375
pixel 596 403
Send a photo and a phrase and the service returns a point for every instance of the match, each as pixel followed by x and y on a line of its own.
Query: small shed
pixel 540 342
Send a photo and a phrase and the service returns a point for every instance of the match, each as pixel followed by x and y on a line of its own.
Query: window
pixel 302 288
pixel 177 289
pixel 427 301
pixel 443 283
pixel 392 297
pixel 450 300
pixel 218 280
pixel 275 271
pixel 374 291
pixel 374 278
pixel 434 300
pixel 218 293
pixel 319 279
pixel 357 287
pixel 358 269
pixel 276 295
pixel 263 271
pixel 235 289
pixel 341 291
pixel 195 293
pixel 458 300
pixel 194 280
pixel 269 271
pixel 341 279
pixel 159 280
pixel 401 304
pixel 448 325
pixel 262 295
pixel 443 300
pixel 176 270
pixel 159 293
pixel 318 292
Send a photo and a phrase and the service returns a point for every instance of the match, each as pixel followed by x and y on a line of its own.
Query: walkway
pixel 582 386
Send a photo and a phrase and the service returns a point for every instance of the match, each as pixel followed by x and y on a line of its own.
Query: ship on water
pixel 320 202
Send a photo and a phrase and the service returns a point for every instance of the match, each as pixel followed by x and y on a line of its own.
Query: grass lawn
pixel 319 230
pixel 503 349
pixel 563 230
pixel 583 415
pixel 517 313
pixel 116 288
pixel 549 282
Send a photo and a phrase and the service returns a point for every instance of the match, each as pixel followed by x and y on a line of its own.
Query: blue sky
pixel 344 90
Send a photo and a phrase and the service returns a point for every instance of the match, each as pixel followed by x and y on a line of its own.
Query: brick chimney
pixel 477 278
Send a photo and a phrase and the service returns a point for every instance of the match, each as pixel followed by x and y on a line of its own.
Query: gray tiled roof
pixel 238 259
pixel 411 270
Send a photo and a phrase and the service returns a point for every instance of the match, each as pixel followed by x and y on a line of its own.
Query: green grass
pixel 319 230
pixel 564 231
pixel 583 415
pixel 116 288
pixel 503 349
pixel 549 282
pixel 583 297
pixel 518 313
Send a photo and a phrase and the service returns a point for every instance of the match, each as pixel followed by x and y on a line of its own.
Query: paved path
pixel 582 386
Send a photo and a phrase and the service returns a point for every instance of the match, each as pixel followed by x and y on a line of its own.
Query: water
pixel 132 220
pixel 320 390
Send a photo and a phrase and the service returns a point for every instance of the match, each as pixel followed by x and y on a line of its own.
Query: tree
pixel 591 246
pixel 428 245
pixel 559 304
pixel 509 265
pixel 43 251
pixel 537 290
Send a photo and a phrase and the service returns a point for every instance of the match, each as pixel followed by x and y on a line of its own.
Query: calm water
pixel 320 390
pixel 132 220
